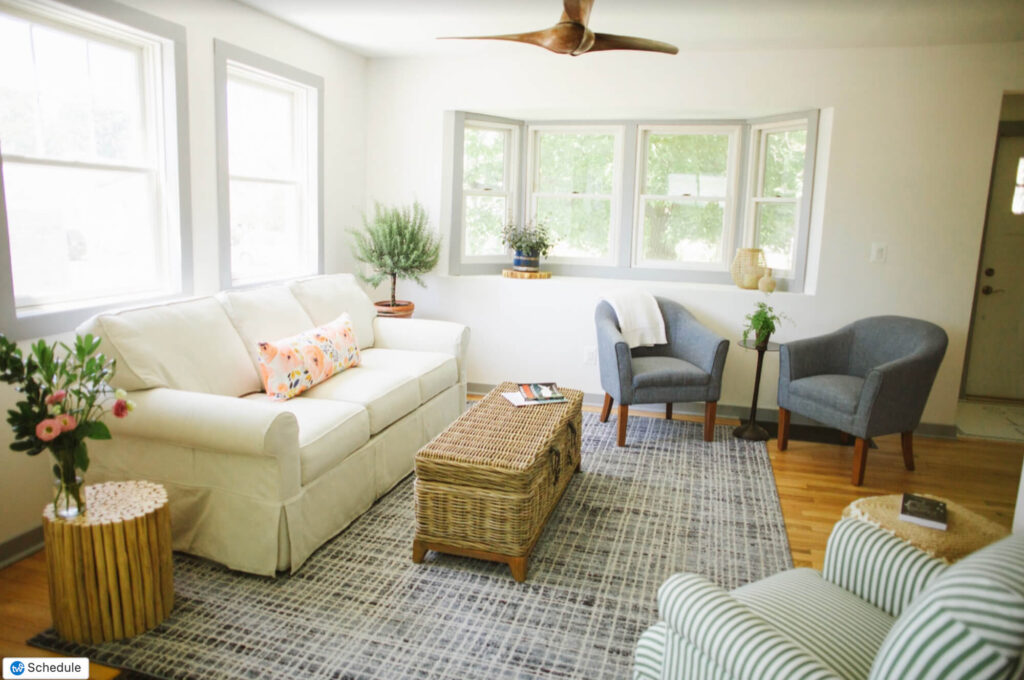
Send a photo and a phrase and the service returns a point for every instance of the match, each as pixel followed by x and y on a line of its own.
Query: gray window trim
pixel 224 52
pixel 623 269
pixel 451 210
pixel 38 324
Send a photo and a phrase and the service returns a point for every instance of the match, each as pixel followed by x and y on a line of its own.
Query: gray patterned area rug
pixel 360 608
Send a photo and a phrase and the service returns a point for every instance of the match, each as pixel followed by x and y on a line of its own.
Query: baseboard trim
pixel 764 415
pixel 21 546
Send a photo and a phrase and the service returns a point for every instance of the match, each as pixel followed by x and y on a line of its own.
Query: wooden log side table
pixel 110 570
pixel 750 430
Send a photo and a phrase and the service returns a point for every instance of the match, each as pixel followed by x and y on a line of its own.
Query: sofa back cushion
pixel 188 345
pixel 968 623
pixel 325 298
pixel 264 315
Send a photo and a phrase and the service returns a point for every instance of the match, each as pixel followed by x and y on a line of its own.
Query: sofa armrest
pixel 876 566
pixel 209 421
pixel 739 641
pixel 424 335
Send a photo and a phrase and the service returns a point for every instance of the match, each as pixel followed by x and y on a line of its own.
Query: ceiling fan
pixel 571 35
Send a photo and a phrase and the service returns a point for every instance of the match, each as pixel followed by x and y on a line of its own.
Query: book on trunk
pixel 927 512
pixel 541 393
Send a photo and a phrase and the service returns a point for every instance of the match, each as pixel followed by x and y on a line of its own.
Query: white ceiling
pixel 389 28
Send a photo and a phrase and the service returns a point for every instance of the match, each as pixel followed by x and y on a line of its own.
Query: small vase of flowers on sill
pixel 530 243
pixel 66 395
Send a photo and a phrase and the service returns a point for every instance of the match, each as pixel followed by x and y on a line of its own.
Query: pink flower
pixel 56 397
pixel 67 422
pixel 120 408
pixel 48 429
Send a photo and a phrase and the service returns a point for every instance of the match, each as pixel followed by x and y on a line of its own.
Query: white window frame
pixel 615 198
pixel 510 183
pixel 166 112
pixel 756 156
pixel 730 199
pixel 258 68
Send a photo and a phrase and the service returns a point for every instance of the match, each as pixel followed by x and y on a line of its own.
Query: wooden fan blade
pixel 577 11
pixel 607 41
pixel 562 38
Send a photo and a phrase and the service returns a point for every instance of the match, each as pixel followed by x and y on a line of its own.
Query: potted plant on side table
pixel 530 243
pixel 762 322
pixel 397 243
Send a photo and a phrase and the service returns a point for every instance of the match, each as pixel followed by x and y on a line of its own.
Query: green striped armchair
pixel 880 609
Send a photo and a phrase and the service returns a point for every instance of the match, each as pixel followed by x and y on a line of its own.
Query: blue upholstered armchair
pixel 688 368
pixel 880 609
pixel 866 379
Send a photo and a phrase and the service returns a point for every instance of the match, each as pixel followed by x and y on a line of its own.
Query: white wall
pixel 911 143
pixel 26 483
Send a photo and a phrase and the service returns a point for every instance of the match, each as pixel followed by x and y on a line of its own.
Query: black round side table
pixel 751 430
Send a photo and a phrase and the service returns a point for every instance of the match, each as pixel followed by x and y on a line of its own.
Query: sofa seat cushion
pixel 190 346
pixel 666 372
pixel 820 617
pixel 836 392
pixel 329 431
pixel 435 371
pixel 386 394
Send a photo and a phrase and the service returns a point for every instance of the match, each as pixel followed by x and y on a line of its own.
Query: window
pixel 658 200
pixel 89 122
pixel 574 187
pixel 271 203
pixel 779 155
pixel 488 175
pixel 686 201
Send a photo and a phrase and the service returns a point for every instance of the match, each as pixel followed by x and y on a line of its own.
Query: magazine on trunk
pixel 541 392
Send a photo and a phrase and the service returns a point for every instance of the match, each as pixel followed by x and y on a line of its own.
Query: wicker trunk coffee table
pixel 486 485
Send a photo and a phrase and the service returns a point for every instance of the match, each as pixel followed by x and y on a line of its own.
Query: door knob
pixel 989 271
pixel 989 290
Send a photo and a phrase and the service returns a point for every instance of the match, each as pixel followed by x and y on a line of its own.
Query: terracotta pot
pixel 401 310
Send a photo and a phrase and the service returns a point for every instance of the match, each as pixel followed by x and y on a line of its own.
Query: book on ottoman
pixel 927 512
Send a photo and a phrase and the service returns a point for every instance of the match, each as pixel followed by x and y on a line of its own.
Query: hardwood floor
pixel 813 482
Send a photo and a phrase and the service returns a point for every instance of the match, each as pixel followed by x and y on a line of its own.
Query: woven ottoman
pixel 486 485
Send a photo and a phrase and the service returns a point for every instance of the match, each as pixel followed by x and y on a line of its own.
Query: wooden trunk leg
pixel 710 409
pixel 860 460
pixel 419 549
pixel 783 428
pixel 668 411
pixel 623 417
pixel 907 441
pixel 844 438
pixel 518 567
pixel 607 408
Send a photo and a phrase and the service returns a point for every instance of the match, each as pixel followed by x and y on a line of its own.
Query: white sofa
pixel 254 483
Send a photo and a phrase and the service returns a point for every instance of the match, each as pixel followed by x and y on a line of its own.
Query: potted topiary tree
pixel 397 243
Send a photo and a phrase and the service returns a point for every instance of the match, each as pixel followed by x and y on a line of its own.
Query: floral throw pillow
pixel 291 366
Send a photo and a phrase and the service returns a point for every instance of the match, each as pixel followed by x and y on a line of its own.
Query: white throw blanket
pixel 639 318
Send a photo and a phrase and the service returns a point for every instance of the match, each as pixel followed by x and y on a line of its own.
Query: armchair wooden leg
pixel 607 408
pixel 783 428
pixel 668 411
pixel 710 408
pixel 907 441
pixel 860 460
pixel 623 417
